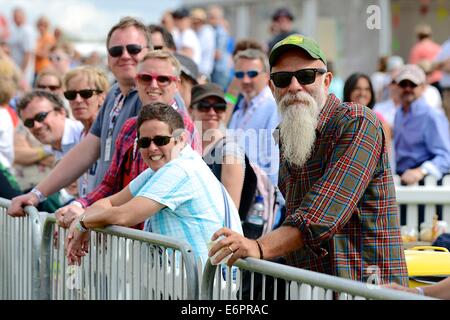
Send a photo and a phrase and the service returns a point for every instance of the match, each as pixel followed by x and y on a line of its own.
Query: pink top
pixel 426 50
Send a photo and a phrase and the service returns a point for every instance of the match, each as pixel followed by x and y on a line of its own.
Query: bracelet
pixel 261 256
pixel 41 153
pixel 78 204
pixel 81 222
pixel 39 195
pixel 230 98
pixel 80 227
pixel 420 291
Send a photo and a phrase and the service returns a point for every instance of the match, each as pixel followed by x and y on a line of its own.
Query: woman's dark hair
pixel 350 85
pixel 161 112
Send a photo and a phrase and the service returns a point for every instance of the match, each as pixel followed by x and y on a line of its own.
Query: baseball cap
pixel 181 13
pixel 188 67
pixel 201 91
pixel 296 41
pixel 282 12
pixel 412 73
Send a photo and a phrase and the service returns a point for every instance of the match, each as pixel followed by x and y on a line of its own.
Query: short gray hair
pixel 252 54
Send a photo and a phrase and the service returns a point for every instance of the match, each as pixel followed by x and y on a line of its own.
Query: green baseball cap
pixel 296 41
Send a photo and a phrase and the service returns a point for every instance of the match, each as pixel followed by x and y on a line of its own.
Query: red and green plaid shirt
pixel 343 200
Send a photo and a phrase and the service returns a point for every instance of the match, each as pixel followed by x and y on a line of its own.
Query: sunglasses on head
pixel 251 74
pixel 50 87
pixel 304 76
pixel 40 117
pixel 407 84
pixel 204 106
pixel 132 49
pixel 159 141
pixel 85 94
pixel 162 80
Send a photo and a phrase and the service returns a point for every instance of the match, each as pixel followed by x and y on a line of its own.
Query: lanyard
pixel 113 115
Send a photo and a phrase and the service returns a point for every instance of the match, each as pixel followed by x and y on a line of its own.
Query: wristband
pixel 80 227
pixel 39 195
pixel 261 256
pixel 230 98
pixel 78 204
pixel 420 291
pixel 41 153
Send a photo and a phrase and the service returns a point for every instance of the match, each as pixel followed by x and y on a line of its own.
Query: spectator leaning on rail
pixel 177 195
pixel 421 134
pixel 127 43
pixel 342 217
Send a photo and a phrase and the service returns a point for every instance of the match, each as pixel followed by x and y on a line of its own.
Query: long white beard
pixel 300 113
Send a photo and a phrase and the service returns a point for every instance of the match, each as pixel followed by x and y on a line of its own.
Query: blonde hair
pixel 94 76
pixel 9 80
pixel 163 55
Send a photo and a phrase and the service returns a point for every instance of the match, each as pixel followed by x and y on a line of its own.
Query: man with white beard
pixel 342 217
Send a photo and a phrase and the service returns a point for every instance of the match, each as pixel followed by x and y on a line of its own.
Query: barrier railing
pixel 20 240
pixel 429 194
pixel 122 263
pixel 289 282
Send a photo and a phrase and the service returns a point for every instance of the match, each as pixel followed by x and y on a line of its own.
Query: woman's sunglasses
pixel 85 94
pixel 304 76
pixel 132 49
pixel 159 141
pixel 40 117
pixel 204 106
pixel 146 79
pixel 49 87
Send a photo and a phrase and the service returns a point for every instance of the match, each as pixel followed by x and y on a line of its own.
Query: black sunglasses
pixel 85 94
pixel 50 87
pixel 407 84
pixel 251 74
pixel 304 76
pixel 204 106
pixel 132 49
pixel 40 117
pixel 159 141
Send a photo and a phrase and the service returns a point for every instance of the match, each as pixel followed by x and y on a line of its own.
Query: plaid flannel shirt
pixel 126 140
pixel 343 200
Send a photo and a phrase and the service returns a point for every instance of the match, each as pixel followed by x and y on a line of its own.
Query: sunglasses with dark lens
pixel 159 141
pixel 51 88
pixel 204 106
pixel 251 74
pixel 158 47
pixel 147 78
pixel 40 117
pixel 85 94
pixel 132 49
pixel 407 84
pixel 304 76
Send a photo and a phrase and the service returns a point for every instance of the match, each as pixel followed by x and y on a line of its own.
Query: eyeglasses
pixel 204 106
pixel 159 141
pixel 407 84
pixel 132 49
pixel 158 47
pixel 40 117
pixel 146 79
pixel 55 58
pixel 49 87
pixel 251 74
pixel 85 94
pixel 304 76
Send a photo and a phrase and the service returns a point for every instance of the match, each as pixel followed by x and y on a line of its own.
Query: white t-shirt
pixel 6 138
pixel 21 41
pixel 188 39
pixel 71 136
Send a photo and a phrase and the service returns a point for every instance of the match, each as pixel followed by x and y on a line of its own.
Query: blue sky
pixel 89 19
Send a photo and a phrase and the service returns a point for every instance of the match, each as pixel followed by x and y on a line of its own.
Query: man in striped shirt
pixel 342 217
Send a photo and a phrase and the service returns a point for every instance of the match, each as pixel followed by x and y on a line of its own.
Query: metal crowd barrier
pixel 430 195
pixel 122 263
pixel 20 240
pixel 288 282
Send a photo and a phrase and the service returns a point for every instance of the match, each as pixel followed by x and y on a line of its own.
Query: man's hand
pixel 66 215
pixel 20 202
pixel 234 243
pixel 77 244
pixel 412 176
